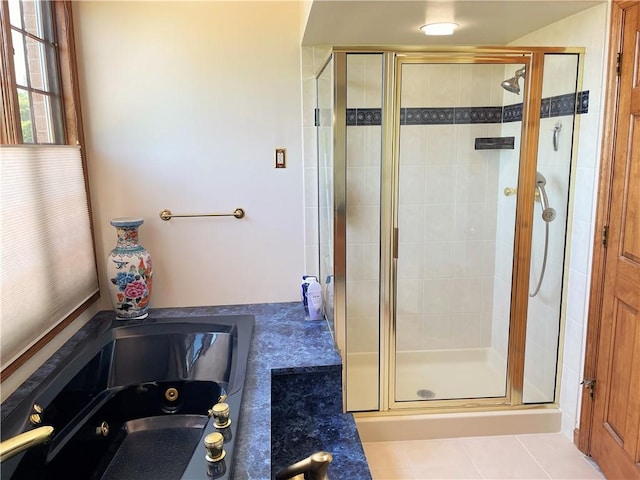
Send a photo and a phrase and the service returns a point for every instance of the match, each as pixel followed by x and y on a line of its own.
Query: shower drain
pixel 426 394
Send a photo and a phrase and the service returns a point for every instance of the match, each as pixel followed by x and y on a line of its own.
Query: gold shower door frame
pixel 393 59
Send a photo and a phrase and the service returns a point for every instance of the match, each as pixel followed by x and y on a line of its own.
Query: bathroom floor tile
pixel 502 457
pixel 558 457
pixel 441 458
pixel 514 457
pixel 387 460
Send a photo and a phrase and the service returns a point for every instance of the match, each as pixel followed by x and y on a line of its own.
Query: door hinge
pixel 618 63
pixel 590 384
pixel 605 236
pixel 316 117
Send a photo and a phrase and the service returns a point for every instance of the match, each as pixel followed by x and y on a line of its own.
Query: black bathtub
pixel 132 402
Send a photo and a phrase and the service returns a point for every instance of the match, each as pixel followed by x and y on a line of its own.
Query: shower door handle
pixel 395 243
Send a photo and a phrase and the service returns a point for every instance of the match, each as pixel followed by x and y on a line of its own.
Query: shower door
pixel 562 103
pixel 324 131
pixel 458 162
pixel 482 207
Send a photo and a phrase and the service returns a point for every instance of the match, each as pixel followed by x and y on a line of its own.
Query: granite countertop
pixel 283 342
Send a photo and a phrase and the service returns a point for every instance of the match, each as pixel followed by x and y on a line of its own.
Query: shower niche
pixel 448 260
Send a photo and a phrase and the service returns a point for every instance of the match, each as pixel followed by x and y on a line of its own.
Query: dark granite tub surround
pixel 306 417
pixel 282 339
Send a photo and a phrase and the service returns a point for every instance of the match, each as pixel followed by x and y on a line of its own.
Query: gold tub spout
pixel 19 443
pixel 314 467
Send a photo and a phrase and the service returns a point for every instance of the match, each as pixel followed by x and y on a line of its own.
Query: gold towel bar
pixel 167 215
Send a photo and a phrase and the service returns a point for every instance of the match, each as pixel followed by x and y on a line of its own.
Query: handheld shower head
pixel 511 84
pixel 548 213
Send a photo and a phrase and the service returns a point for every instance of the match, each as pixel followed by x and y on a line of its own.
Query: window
pixel 35 63
pixel 40 101
pixel 48 268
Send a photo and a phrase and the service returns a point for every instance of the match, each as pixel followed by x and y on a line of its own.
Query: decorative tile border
pixel 562 105
pixel 512 113
pixel 555 106
pixel 364 116
pixel 426 116
pixel 478 115
pixel 583 102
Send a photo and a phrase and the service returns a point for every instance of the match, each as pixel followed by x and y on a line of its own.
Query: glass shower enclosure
pixel 448 225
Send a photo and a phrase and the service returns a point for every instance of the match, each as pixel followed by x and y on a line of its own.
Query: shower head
pixel 511 84
pixel 548 213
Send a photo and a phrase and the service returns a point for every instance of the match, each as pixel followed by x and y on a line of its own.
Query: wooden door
pixel 615 435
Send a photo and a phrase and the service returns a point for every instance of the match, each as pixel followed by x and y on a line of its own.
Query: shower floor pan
pixel 442 375
pixel 449 374
pixel 437 375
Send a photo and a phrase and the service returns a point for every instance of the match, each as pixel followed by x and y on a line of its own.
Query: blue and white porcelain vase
pixel 129 271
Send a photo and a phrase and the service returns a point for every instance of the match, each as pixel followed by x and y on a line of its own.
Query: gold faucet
pixel 23 441
pixel 314 467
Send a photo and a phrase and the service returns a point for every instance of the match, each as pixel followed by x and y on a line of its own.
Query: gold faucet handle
pixel 213 445
pixel 220 413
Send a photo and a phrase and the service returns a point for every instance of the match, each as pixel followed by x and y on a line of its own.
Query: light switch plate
pixel 281 158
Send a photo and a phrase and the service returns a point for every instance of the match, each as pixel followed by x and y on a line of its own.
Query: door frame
pixel 582 435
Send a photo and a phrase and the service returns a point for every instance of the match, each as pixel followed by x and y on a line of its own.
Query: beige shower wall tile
pixel 413 145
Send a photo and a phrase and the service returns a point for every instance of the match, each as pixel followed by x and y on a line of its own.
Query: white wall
pixel 184 104
pixel 587 29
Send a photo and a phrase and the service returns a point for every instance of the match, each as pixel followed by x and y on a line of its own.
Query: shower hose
pixel 544 259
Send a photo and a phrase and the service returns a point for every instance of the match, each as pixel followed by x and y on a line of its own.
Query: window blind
pixel 47 258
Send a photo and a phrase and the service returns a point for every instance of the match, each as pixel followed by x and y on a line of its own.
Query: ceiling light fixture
pixel 442 28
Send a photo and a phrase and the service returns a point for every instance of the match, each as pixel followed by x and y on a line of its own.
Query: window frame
pixel 11 131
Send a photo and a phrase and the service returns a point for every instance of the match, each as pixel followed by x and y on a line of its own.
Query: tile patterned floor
pixel 536 456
